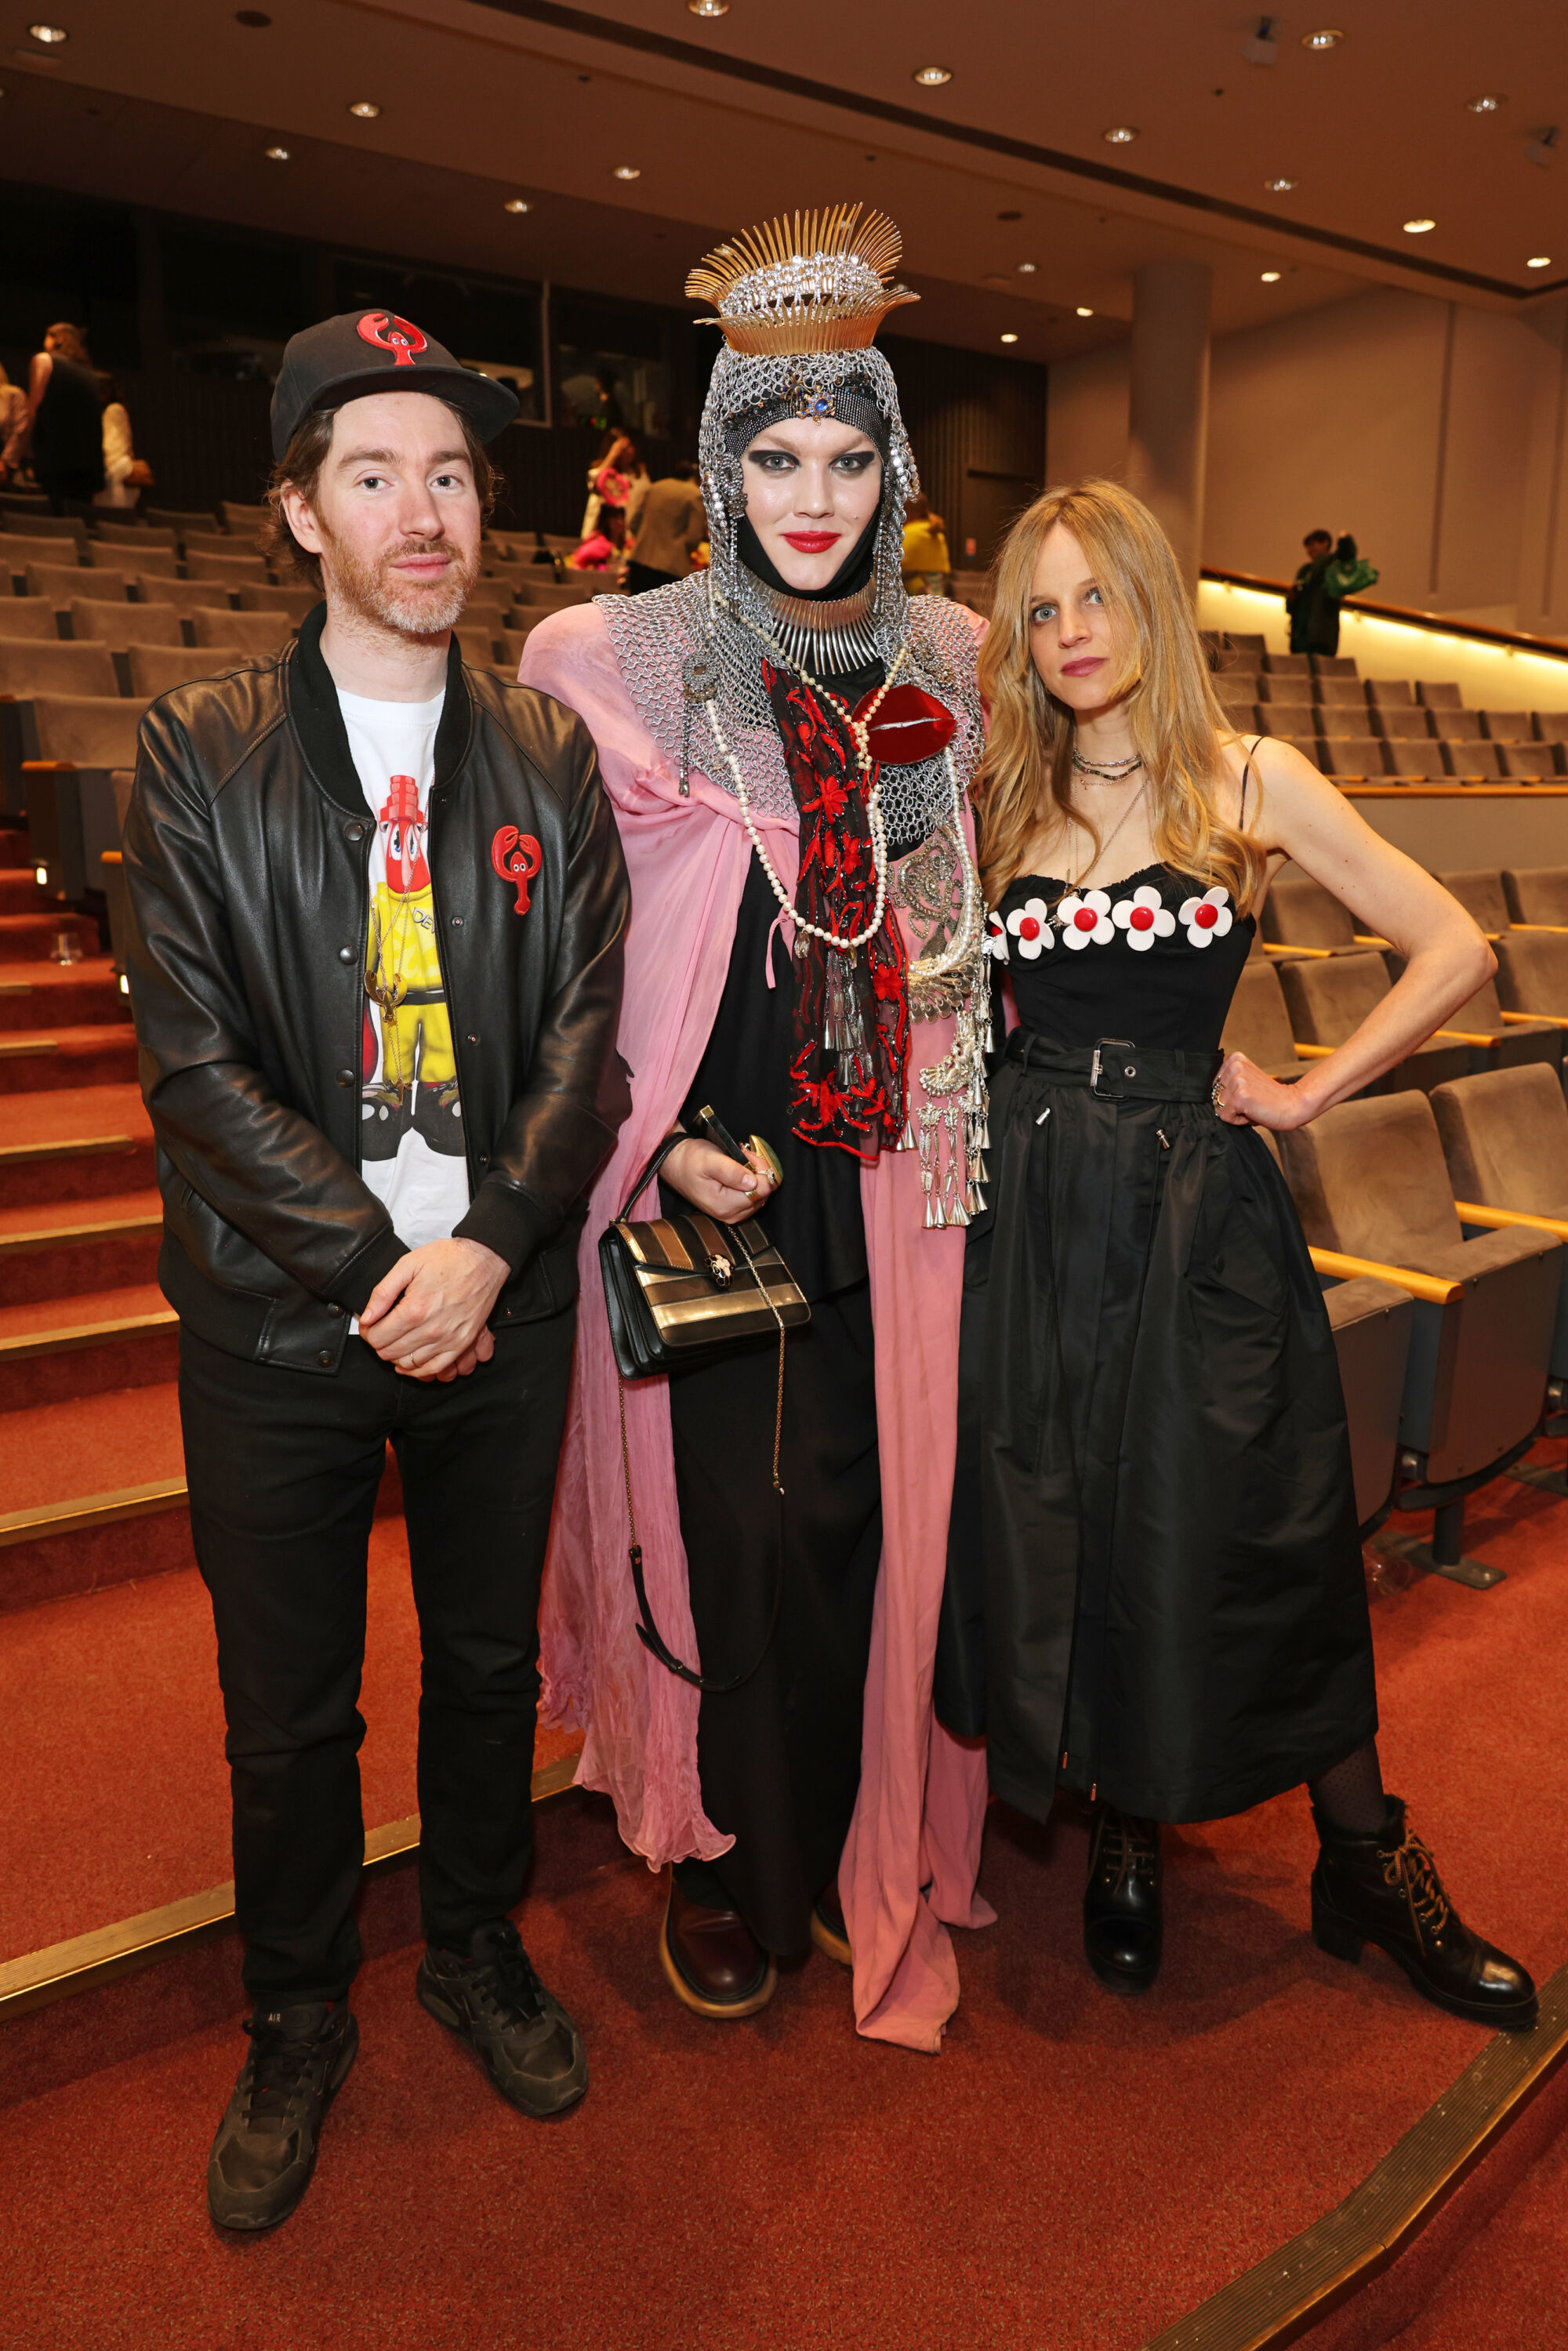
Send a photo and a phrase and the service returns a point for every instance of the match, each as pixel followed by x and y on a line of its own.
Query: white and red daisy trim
pixel 1208 917
pixel 1031 925
pixel 996 936
pixel 1145 917
pixel 1085 921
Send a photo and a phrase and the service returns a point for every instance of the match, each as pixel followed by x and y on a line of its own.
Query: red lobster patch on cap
pixel 390 334
pixel 517 858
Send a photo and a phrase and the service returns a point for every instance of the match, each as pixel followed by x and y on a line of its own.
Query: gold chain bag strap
pixel 684 1290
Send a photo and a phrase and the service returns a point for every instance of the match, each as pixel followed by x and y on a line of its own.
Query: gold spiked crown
pixel 808 282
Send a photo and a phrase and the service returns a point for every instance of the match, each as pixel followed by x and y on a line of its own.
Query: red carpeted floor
pixel 1073 2170
pixel 1508 2291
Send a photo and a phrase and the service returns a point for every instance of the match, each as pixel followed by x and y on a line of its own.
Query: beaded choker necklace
pixel 1108 771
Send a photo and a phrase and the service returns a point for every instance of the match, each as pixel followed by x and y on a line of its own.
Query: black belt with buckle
pixel 1116 1070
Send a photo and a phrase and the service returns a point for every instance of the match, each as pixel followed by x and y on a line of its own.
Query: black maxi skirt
pixel 1154 1585
pixel 780 1758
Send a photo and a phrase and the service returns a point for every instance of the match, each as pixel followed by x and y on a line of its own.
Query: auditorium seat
pixel 254 633
pixel 1286 665
pixel 1536 893
pixel 1534 763
pixel 1402 721
pixel 1457 726
pixel 37 522
pixel 1340 692
pixel 1329 998
pixel 1243 717
pixel 1370 1186
pixel 1257 1023
pixel 1250 644
pixel 1552 726
pixel 1335 665
pixel 173 518
pixel 1502 1044
pixel 1439 695
pixel 1357 758
pixel 1307 745
pixel 158 562
pixel 296 601
pixel 135 534
pixel 18 555
pixel 1274 687
pixel 242 518
pixel 39 667
pixel 77 743
pixel 29 616
pixel 186 596
pixel 1300 912
pixel 117 624
pixel 1416 759
pixel 1505 1138
pixel 213 541
pixel 1508 726
pixel 158 668
pixel 515 636
pixel 1390 693
pixel 60 582
pixel 233 570
pixel 1347 722
pixel 1481 894
pixel 1532 974
pixel 579 589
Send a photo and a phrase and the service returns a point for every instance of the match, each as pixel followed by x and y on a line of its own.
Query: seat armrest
pixel 1466 1036
pixel 1365 939
pixel 1557 927
pixel 1280 948
pixel 1315 1053
pixel 1429 1286
pixel 1557 1019
pixel 1472 1212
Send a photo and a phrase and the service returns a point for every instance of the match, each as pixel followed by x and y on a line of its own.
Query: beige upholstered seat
pixel 1536 893
pixel 234 570
pixel 78 741
pixel 19 549
pixel 158 668
pixel 1482 895
pixel 158 562
pixel 136 534
pixel 1287 664
pixel 1533 763
pixel 256 632
pixel 1416 759
pixel 88 731
pixel 178 519
pixel 1505 1138
pixel 1390 693
pixel 1346 722
pixel 30 616
pixel 1457 726
pixel 61 581
pixel 296 601
pixel 1341 693
pixel 1300 912
pixel 1352 755
pixel 1438 696
pixel 242 520
pixel 1508 726
pixel 187 596
pixel 1257 1023
pixel 118 623
pixel 1333 665
pixel 1329 998
pixel 1532 973
pixel 37 667
pixel 1405 720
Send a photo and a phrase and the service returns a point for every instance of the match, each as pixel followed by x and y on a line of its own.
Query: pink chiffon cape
pixel 910 1861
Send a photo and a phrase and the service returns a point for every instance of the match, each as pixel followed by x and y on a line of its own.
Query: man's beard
pixel 414 608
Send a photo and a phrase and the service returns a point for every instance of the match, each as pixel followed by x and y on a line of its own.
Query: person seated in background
pixel 927 561
pixel 14 422
pixel 670 527
pixel 602 550
pixel 125 475
pixel 1331 574
pixel 610 477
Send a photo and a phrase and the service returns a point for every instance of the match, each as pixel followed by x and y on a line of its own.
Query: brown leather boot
pixel 714 1964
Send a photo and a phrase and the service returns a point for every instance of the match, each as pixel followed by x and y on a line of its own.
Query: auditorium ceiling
pixel 1020 217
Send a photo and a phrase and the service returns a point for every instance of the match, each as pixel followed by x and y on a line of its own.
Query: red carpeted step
pixel 74 1144
pixel 41 1060
pixel 31 938
pixel 15 848
pixel 94 1494
pixel 54 1348
pixel 52 1250
pixel 19 891
pixel 53 996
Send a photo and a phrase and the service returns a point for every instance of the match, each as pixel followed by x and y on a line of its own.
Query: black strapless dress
pixel 1154 1586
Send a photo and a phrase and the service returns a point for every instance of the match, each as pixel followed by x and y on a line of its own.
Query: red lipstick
pixel 812 542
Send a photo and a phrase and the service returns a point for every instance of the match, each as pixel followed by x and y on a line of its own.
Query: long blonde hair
pixel 1177 722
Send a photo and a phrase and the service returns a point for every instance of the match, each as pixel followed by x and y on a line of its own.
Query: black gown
pixel 1154 1587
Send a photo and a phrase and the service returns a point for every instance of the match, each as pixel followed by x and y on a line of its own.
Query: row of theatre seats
pixel 1436 1203
pixel 1364 730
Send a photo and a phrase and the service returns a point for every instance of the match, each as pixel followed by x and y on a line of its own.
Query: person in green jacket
pixel 1330 574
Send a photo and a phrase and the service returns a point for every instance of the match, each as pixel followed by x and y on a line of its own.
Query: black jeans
pixel 283 1467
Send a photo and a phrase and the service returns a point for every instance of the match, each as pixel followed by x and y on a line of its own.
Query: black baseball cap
pixel 374 351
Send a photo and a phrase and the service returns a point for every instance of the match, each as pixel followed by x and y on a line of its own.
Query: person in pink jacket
pixel 788 743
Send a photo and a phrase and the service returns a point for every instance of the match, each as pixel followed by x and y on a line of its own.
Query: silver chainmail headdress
pixel 799 302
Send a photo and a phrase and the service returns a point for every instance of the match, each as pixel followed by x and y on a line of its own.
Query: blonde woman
pixel 1165 1610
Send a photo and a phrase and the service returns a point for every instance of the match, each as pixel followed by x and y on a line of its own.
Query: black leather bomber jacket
pixel 246 853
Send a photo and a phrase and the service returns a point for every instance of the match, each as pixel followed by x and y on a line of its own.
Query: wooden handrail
pixel 1429 1286
pixel 1472 1212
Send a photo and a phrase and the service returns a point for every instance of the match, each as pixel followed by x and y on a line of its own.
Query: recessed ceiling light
pixel 1488 103
pixel 516 204
pixel 1271 277
pixel 628 172
pixel 1279 188
pixel 1028 269
pixel 1084 312
pixel 276 154
pixel 366 109
pixel 1122 134
pixel 933 77
pixel 51 36
pixel 708 7
pixel 1418 227
pixel 1328 39
pixel 1010 339
pixel 1539 261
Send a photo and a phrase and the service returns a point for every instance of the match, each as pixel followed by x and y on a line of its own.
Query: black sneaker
pixel 491 1998
pixel 265 2151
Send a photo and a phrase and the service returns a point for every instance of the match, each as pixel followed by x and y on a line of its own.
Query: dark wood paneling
pixel 977 427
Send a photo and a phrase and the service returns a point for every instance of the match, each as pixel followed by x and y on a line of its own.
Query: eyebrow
pixel 391 457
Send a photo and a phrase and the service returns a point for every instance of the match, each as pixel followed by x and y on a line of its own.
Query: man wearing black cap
pixel 378 908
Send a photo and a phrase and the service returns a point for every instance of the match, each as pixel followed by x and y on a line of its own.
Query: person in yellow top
pixel 927 561
pixel 403 968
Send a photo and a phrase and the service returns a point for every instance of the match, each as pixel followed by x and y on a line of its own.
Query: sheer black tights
pixel 1351 1793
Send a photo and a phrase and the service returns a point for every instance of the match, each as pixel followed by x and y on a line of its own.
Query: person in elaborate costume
pixel 1157 1596
pixel 788 744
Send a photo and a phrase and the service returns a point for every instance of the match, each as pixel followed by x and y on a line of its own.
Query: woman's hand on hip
pixel 712 1181
pixel 1244 1095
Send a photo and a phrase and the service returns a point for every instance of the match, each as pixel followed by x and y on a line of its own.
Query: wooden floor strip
pixel 1277 2301
pixel 66 1336
pixel 103 1228
pixel 47 1519
pixel 77 1146
pixel 27 1040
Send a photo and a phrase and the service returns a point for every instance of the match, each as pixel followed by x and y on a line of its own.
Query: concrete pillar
pixel 1167 422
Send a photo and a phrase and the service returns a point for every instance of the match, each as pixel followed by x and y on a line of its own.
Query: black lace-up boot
pixel 1384 1889
pixel 491 1998
pixel 265 2151
pixel 1122 1926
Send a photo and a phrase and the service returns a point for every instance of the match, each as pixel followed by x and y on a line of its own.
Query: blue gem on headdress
pixel 822 406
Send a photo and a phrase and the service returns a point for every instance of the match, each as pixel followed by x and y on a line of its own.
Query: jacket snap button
pixel 345 1077
pixel 457 921
pixel 325 1359
pixel 354 832
pixel 345 955
pixel 473 1040
pixel 484 1159
pixel 333 1308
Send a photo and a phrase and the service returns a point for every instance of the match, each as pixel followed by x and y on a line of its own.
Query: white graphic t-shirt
pixel 410 1119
